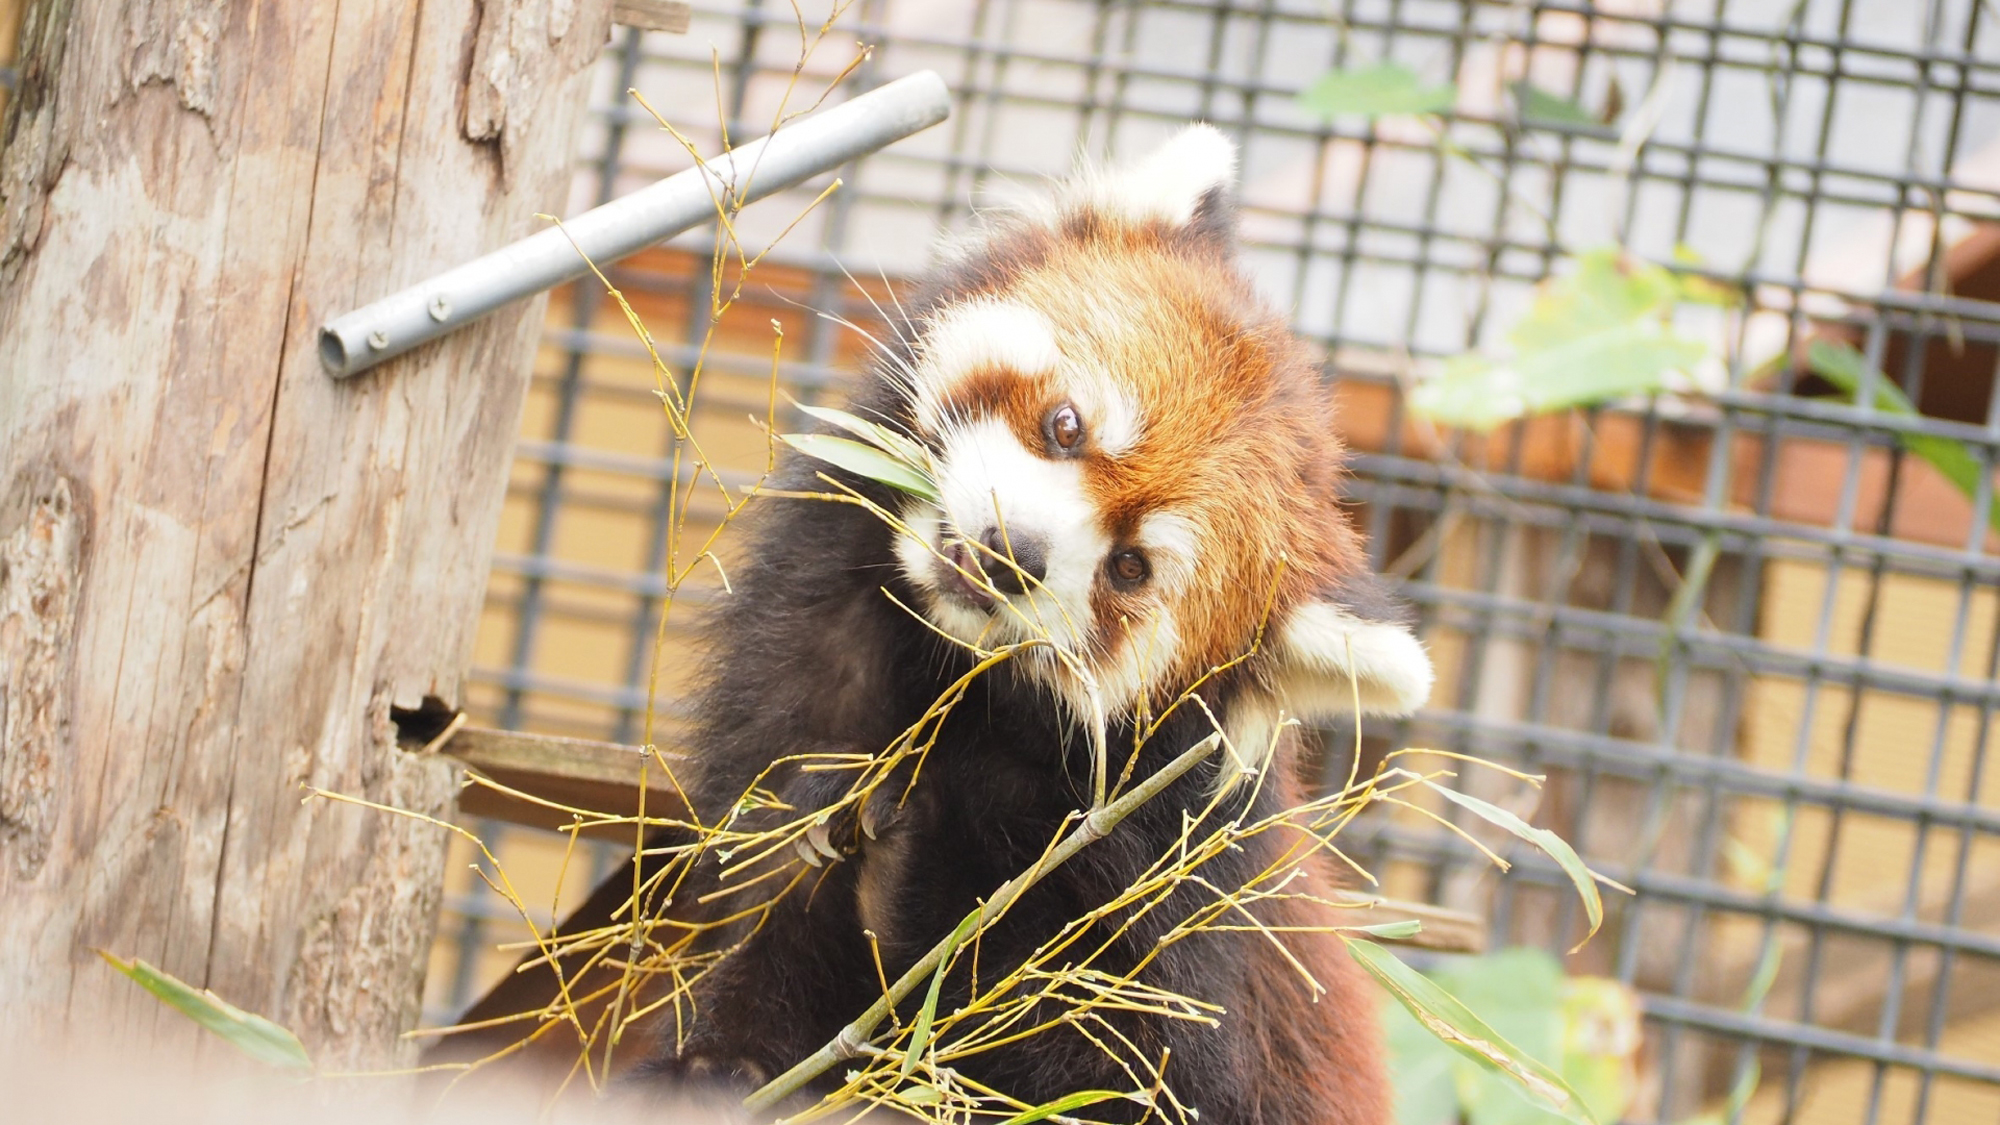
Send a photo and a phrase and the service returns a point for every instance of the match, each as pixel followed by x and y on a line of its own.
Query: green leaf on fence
pixel 865 460
pixel 1383 89
pixel 1601 332
pixel 1846 368
pixel 1558 849
pixel 1537 106
pixel 248 1032
pixel 1698 290
pixel 1444 1016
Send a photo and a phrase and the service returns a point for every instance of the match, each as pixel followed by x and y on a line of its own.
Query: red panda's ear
pixel 1328 658
pixel 1190 181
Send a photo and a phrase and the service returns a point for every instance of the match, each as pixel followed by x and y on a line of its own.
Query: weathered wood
pixel 1444 931
pixel 222 570
pixel 598 777
pixel 653 15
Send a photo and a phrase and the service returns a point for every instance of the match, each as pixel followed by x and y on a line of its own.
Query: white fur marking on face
pixel 920 566
pixel 978 334
pixel 1150 644
pixel 1168 184
pixel 984 473
pixel 1109 412
pixel 1172 546
pixel 1324 651
pixel 1170 531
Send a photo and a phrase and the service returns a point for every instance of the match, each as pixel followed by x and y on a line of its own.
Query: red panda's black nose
pixel 1029 554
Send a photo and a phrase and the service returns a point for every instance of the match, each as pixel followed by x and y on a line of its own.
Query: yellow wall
pixel 1875 859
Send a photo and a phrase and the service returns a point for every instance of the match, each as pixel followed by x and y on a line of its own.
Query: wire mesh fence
pixel 1747 627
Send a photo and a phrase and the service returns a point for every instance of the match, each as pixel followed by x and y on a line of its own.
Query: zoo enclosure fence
pixel 1748 635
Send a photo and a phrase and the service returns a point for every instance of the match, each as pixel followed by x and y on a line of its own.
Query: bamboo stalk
pixel 1097 824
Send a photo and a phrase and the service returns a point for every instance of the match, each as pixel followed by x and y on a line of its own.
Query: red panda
pixel 1135 460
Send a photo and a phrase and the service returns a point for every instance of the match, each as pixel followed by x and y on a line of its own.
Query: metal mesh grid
pixel 1751 641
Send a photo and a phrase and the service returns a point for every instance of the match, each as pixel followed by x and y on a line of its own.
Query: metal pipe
pixel 829 138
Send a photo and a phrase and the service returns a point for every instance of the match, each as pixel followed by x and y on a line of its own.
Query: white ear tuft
pixel 1325 652
pixel 1168 185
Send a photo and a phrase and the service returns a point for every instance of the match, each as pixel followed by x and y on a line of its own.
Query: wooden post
pixel 220 570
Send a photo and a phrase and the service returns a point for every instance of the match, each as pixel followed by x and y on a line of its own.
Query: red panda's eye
pixel 1130 567
pixel 1065 428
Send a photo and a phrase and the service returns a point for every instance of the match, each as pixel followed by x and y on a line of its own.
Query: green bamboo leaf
pixel 1518 993
pixel 865 460
pixel 1478 393
pixel 921 1034
pixel 248 1032
pixel 1451 1021
pixel 1391 931
pixel 1840 364
pixel 900 446
pixel 1383 89
pixel 1422 1070
pixel 1062 1105
pixel 1599 333
pixel 1537 106
pixel 1557 848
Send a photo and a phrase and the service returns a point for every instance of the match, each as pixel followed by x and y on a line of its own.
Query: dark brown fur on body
pixel 993 792
pixel 809 655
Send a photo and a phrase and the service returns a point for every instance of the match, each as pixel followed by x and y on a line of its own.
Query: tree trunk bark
pixel 220 569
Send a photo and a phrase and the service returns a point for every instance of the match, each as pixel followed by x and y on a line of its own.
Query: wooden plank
pixel 230 567
pixel 653 15
pixel 1444 930
pixel 600 777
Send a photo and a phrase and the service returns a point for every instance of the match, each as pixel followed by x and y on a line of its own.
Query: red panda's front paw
pixel 693 1086
pixel 731 1074
pixel 844 826
pixel 883 808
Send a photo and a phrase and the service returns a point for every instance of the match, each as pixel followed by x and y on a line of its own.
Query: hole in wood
pixel 417 726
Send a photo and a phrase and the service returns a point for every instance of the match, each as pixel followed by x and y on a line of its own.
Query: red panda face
pixel 1139 458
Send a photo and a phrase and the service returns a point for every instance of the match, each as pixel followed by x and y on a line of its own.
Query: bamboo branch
pixel 1096 825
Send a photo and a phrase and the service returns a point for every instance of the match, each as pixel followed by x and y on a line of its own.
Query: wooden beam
pixel 1444 931
pixel 599 777
pixel 222 572
pixel 670 16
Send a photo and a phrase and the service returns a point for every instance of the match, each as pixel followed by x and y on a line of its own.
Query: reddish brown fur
pixel 1328 1067
pixel 1234 410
